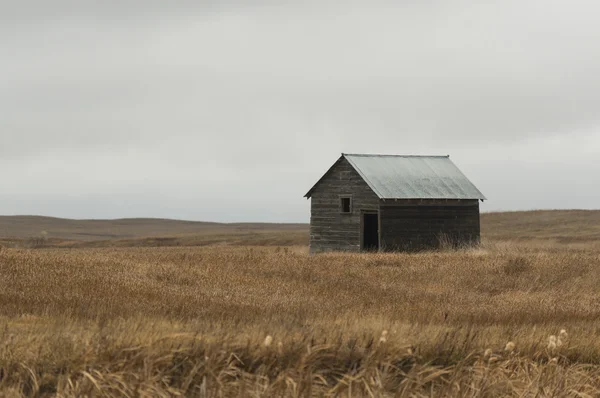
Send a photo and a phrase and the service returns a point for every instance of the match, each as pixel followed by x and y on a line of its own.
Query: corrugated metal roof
pixel 413 177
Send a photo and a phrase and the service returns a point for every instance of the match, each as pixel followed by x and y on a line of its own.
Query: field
pixel 23 231
pixel 258 317
pixel 554 226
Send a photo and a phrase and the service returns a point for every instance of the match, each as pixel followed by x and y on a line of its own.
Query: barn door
pixel 370 231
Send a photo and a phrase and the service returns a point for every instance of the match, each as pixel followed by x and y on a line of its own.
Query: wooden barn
pixel 392 202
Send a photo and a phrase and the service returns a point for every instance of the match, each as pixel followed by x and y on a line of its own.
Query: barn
pixel 392 202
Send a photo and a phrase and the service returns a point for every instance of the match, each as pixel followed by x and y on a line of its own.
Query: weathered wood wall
pixel 421 224
pixel 329 229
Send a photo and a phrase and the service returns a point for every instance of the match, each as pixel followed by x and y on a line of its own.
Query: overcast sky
pixel 226 111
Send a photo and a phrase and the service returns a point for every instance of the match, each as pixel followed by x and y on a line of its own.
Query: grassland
pixel 548 226
pixel 239 320
pixel 23 231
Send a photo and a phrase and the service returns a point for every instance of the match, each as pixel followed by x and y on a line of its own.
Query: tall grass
pixel 255 321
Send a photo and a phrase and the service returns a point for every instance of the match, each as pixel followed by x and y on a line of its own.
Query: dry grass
pixel 194 321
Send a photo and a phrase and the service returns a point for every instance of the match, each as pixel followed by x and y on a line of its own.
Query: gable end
pixel 329 171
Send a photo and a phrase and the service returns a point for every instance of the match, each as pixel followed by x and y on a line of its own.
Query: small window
pixel 346 205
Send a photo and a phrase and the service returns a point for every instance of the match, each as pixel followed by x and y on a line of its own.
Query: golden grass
pixel 195 322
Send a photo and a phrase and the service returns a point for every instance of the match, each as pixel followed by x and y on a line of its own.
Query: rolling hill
pixel 560 225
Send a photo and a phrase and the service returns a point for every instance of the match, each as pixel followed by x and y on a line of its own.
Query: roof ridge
pixel 394 156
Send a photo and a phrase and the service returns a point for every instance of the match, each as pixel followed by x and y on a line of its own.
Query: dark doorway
pixel 370 231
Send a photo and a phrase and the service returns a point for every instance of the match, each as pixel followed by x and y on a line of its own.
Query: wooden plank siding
pixel 330 230
pixel 418 225
pixel 404 224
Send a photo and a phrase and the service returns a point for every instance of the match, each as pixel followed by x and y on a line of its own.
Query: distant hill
pixel 146 231
pixel 560 225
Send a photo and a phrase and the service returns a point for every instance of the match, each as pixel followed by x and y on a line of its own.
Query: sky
pixel 231 110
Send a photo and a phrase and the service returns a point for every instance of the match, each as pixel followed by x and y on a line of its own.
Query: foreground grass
pixel 270 322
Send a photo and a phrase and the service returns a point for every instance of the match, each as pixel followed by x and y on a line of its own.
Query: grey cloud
pixel 210 100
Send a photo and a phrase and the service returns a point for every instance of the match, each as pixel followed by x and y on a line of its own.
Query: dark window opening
pixel 346 205
pixel 370 231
